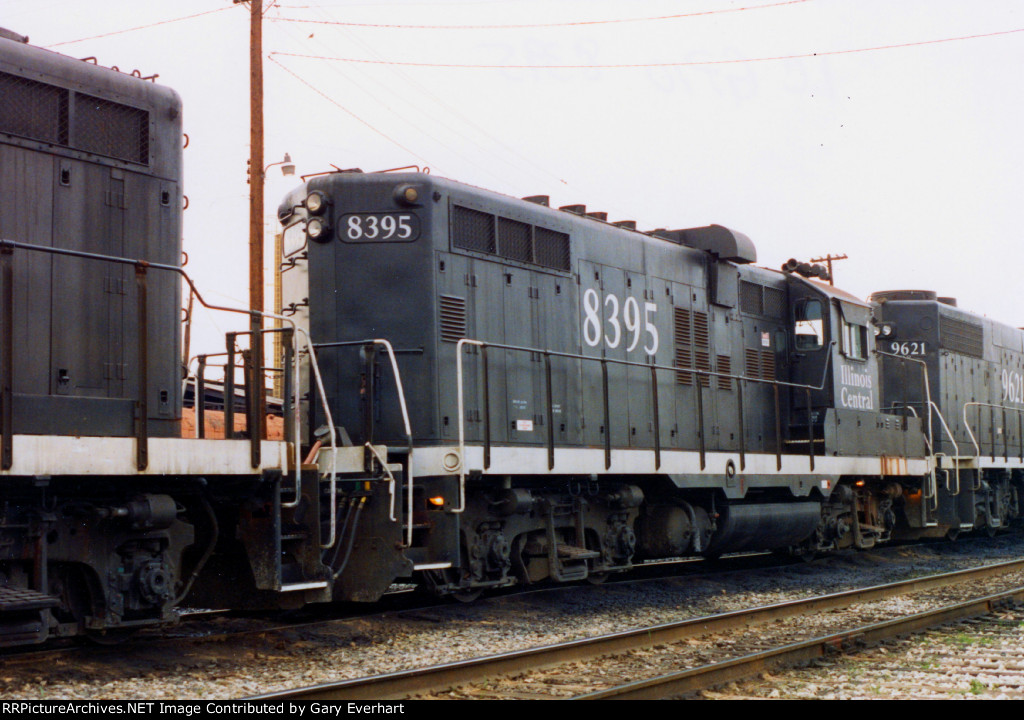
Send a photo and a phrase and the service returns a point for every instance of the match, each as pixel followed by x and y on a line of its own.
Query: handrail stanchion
pixel 229 386
pixel 657 419
pixel 742 430
pixel 142 372
pixel 548 393
pixel 699 388
pixel 607 415
pixel 199 401
pixel 7 361
pixel 487 406
pixel 810 430
pixel 778 428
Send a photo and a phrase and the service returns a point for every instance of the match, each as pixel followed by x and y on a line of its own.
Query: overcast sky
pixel 887 130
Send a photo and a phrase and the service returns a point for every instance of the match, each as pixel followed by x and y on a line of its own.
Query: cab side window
pixel 810 327
pixel 855 341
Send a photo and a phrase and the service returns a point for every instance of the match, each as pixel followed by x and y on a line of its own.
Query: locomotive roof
pixel 54 68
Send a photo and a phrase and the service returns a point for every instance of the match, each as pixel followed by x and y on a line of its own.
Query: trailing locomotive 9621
pixel 485 390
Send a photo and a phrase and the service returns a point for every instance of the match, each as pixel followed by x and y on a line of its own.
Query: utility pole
pixel 828 263
pixel 256 199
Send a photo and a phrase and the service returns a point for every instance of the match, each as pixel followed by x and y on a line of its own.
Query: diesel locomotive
pixel 556 396
pixel 476 390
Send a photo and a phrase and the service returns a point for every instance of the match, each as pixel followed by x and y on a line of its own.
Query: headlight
pixel 316 201
pixel 317 230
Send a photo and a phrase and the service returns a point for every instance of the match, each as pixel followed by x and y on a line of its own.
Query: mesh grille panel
pixel 775 303
pixel 751 299
pixel 111 129
pixel 473 230
pixel 33 110
pixel 514 241
pixel 552 248
pixel 961 336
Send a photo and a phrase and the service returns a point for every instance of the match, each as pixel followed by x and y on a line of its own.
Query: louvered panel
pixel 724 367
pixel 753 363
pixel 453 318
pixel 700 330
pixel 682 326
pixel 684 360
pixel 702 361
pixel 767 364
pixel 683 338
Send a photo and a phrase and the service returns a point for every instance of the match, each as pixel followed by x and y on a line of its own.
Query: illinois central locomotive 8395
pixel 545 394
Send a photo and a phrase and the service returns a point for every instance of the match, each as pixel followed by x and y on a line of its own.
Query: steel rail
pixel 400 685
pixel 707 676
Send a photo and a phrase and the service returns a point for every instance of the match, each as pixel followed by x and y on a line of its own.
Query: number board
pixel 379 227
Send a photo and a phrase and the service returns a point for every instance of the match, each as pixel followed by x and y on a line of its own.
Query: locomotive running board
pixel 511 460
pixel 36 455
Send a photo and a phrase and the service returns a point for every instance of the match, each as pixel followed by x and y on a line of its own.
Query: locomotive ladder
pixel 388 472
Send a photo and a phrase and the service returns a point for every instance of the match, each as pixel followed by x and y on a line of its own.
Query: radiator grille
pixel 751 298
pixel 514 240
pixel 961 336
pixel 775 303
pixel 762 300
pixel 552 248
pixel 473 230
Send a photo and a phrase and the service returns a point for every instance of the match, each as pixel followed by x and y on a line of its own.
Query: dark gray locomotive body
pixel 107 515
pixel 580 395
pixel 90 161
pixel 962 373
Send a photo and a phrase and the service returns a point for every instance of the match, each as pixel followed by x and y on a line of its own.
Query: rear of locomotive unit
pixel 109 518
pixel 528 393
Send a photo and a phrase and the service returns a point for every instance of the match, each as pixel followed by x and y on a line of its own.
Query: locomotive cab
pixel 835 406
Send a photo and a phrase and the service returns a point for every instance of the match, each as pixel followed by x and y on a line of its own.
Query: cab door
pixel 811 345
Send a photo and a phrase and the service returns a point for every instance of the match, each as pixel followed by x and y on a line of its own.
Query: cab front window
pixel 810 326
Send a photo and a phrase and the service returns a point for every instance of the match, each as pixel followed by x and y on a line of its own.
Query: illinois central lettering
pixel 856 390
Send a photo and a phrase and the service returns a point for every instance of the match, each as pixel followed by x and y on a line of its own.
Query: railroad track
pixel 734 651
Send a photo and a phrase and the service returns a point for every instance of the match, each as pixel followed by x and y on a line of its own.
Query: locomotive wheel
pixel 952 534
pixel 597 578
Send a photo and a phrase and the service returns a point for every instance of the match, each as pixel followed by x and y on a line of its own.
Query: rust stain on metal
pixel 893 465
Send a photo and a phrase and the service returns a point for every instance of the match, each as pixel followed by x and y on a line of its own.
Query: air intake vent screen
pixel 111 129
pixel 33 110
pixel 961 336
pixel 510 239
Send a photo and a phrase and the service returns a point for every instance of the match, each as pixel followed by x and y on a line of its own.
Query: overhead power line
pixel 533 26
pixel 141 27
pixel 341 107
pixel 688 63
